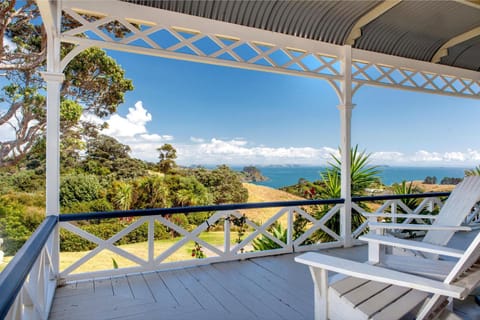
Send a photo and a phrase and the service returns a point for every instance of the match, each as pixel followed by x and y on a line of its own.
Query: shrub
pixel 16 225
pixel 79 188
pixel 71 242
pixel 99 205
pixel 198 218
pixel 27 181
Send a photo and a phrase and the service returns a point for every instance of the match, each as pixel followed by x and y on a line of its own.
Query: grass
pixel 6 260
pixel 258 193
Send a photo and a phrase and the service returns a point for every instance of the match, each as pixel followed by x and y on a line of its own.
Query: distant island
pixel 252 174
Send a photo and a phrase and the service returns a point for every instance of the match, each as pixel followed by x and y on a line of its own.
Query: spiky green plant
pixel 473 172
pixel 123 197
pixel 407 188
pixel 363 175
pixel 263 243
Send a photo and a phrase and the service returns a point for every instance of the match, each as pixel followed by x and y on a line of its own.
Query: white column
pixel 346 193
pixel 51 17
pixel 54 83
pixel 346 108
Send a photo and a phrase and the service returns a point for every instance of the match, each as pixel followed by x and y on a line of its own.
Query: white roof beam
pixel 369 17
pixel 443 51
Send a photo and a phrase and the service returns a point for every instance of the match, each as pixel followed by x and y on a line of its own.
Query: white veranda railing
pixel 231 234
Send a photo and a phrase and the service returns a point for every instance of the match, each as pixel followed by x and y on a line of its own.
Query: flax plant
pixel 363 175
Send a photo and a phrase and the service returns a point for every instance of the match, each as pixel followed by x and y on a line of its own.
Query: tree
pixel 167 157
pixel 106 155
pixel 92 80
pixel 223 183
pixel 106 148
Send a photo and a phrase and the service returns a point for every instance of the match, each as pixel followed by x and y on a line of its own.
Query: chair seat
pixel 354 298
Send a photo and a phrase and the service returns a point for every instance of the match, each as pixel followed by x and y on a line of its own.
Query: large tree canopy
pixel 94 82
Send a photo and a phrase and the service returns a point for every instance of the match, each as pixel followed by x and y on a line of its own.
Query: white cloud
pixel 156 137
pixel 197 140
pixel 387 156
pixel 9 43
pixel 425 158
pixel 130 126
pixel 239 151
pixel 132 131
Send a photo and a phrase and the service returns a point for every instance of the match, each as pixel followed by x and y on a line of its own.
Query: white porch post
pixel 346 108
pixel 51 16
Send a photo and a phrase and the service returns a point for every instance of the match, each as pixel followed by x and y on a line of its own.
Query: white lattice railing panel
pixel 473 218
pixel 397 211
pixel 35 297
pixel 238 233
pixel 364 72
pixel 183 40
pixel 317 225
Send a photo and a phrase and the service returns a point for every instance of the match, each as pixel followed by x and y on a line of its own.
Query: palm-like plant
pixel 404 188
pixel 473 172
pixel 363 175
pixel 123 196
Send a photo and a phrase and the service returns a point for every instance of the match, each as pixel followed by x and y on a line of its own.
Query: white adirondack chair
pixel 449 220
pixel 365 291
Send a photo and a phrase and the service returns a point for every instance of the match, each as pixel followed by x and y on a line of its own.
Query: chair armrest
pixel 412 245
pixel 400 215
pixel 374 273
pixel 426 227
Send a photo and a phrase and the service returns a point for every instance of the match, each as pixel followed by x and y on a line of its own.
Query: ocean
pixel 280 176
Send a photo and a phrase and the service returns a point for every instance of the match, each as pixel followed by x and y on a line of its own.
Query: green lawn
pixel 103 260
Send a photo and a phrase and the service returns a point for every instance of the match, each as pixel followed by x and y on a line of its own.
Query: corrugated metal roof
pixel 411 29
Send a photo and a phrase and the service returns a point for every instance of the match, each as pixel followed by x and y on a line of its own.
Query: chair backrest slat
pixel 458 205
pixel 469 258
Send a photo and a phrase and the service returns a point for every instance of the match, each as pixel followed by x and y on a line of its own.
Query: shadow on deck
pixel 272 287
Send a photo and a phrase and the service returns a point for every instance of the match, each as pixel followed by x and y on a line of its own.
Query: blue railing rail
pixel 239 206
pixel 401 196
pixel 14 275
pixel 188 210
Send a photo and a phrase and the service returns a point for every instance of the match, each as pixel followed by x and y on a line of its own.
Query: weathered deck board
pixel 250 289
pixel 272 287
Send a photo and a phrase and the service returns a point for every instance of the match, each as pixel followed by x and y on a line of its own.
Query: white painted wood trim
pixel 443 51
pixel 417 227
pixel 374 273
pixel 412 245
pixel 356 31
pixel 399 215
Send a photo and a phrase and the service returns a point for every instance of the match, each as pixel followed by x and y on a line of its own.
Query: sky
pixel 220 115
pixel 214 115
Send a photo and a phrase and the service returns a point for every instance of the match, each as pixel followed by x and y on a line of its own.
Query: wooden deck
pixel 262 288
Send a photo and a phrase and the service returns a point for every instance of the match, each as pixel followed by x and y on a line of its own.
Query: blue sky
pixel 215 115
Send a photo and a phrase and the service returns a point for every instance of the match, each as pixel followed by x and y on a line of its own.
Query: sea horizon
pixel 286 175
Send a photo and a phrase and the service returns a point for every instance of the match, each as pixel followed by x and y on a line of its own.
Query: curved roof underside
pixel 410 29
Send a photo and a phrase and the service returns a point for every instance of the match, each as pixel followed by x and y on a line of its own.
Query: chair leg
pixel 320 284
